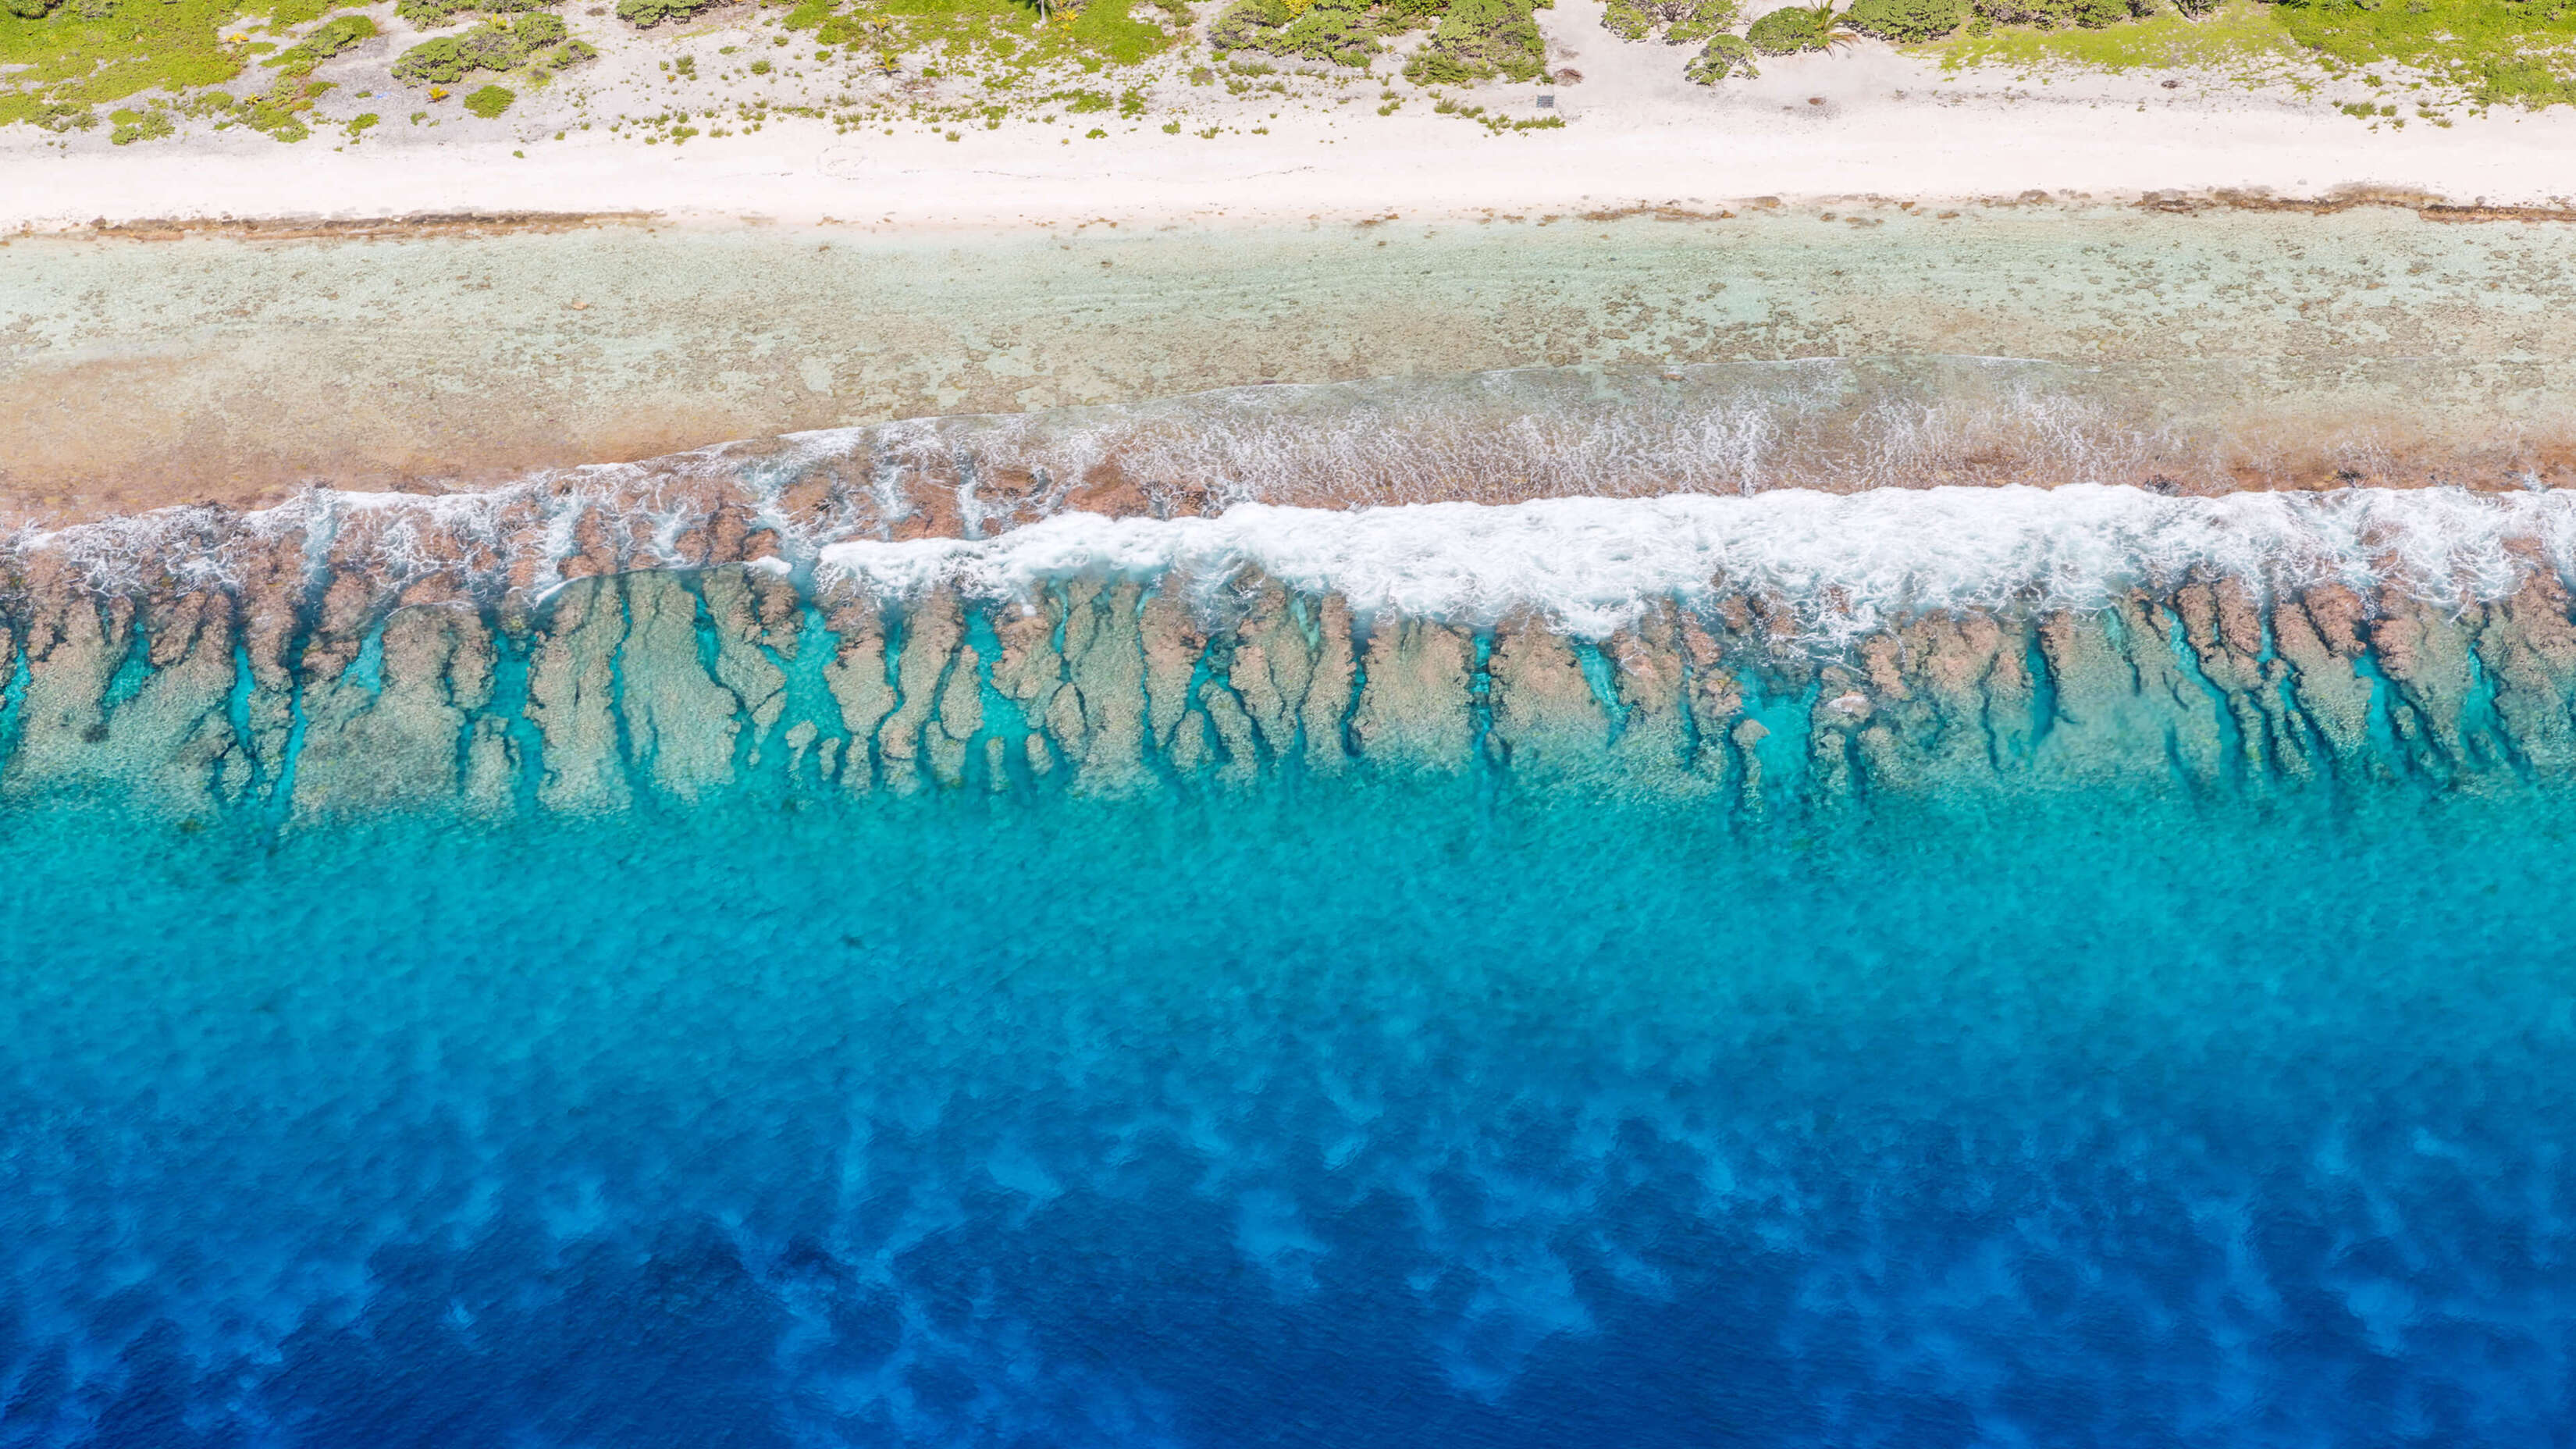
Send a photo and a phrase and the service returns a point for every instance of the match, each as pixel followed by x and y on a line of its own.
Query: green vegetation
pixel 1682 21
pixel 2242 41
pixel 133 126
pixel 1018 34
pixel 1480 39
pixel 1341 32
pixel 1726 57
pixel 1906 22
pixel 429 14
pixel 280 114
pixel 1700 21
pixel 1707 23
pixel 649 13
pixel 57 64
pixel 2485 52
pixel 536 38
pixel 2492 52
pixel 2090 14
pixel 140 70
pixel 327 40
pixel 1797 28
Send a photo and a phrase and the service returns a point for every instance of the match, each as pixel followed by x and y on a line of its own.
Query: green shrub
pixel 1687 22
pixel 1791 30
pixel 1478 39
pixel 649 13
pixel 428 13
pixel 1627 20
pixel 432 62
pixel 1727 56
pixel 1249 24
pixel 1341 32
pixel 2090 14
pixel 1697 22
pixel 279 115
pixel 1338 31
pixel 31 9
pixel 2516 53
pixel 333 36
pixel 2522 81
pixel 326 41
pixel 490 101
pixel 437 61
pixel 133 126
pixel 1800 27
pixel 1906 22
pixel 61 116
pixel 446 59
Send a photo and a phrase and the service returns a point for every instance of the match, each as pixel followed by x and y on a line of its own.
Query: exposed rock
pixel 1414 704
pixel 407 736
pixel 573 698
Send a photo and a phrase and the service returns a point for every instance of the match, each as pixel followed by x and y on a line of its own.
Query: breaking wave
pixel 1844 564
pixel 1840 564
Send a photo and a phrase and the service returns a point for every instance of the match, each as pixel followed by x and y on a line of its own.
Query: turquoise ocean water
pixel 1320 1113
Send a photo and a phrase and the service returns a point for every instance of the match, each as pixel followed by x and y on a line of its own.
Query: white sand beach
pixel 1864 122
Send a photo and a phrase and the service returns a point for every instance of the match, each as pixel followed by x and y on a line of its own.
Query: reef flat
pixel 2217 345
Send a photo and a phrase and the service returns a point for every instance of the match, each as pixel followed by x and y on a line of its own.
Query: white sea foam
pixel 1845 563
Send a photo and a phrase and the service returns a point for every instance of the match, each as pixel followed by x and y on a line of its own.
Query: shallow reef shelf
pixel 358 655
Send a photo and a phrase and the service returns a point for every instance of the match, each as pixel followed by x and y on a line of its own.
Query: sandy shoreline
pixel 1893 151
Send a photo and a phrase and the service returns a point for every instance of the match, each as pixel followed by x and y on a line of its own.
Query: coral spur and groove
pixel 543 648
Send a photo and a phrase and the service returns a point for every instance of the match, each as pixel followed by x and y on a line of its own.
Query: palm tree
pixel 1794 28
pixel 1830 32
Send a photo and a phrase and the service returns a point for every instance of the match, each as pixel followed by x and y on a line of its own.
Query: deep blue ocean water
pixel 1334 1116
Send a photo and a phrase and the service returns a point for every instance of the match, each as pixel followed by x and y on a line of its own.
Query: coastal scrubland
pixel 129 72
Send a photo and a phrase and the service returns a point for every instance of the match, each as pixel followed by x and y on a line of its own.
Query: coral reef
pixel 536 651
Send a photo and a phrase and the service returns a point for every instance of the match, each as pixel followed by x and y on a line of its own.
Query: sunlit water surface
pixel 1336 1116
